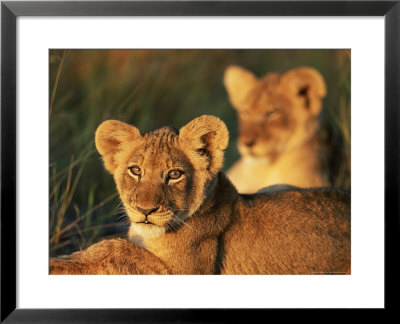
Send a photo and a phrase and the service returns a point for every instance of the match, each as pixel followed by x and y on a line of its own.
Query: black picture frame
pixel 10 10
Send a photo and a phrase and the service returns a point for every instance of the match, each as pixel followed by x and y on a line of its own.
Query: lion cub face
pixel 275 112
pixel 162 176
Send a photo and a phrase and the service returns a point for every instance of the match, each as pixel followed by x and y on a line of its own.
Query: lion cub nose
pixel 249 143
pixel 147 211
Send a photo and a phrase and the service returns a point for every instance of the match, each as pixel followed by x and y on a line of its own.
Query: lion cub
pixel 187 217
pixel 277 125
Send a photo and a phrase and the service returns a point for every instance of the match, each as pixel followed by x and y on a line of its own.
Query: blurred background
pixel 151 89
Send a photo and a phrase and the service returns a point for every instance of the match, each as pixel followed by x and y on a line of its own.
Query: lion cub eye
pixel 135 170
pixel 174 174
pixel 273 113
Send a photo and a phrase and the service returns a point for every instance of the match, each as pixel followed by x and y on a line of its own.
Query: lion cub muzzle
pixel 147 211
pixel 148 199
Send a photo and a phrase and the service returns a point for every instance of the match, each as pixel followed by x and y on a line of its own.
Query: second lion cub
pixel 277 125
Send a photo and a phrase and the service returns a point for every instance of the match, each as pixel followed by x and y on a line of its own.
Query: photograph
pixel 199 161
pixel 149 147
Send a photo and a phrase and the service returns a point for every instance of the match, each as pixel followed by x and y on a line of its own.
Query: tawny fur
pixel 112 257
pixel 198 223
pixel 277 125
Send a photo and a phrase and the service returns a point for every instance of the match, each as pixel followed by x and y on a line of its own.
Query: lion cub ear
pixel 204 140
pixel 308 84
pixel 239 82
pixel 110 138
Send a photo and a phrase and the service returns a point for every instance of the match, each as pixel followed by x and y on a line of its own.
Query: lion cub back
pixel 296 231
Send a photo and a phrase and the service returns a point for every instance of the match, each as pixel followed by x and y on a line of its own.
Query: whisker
pixel 169 227
pixel 123 220
pixel 118 211
pixel 176 226
pixel 182 222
